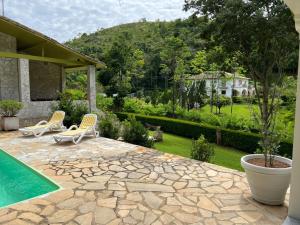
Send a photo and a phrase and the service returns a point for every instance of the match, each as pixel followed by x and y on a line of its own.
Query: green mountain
pixel 141 35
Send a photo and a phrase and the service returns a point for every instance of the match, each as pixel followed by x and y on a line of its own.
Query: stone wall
pixel 9 79
pixel 45 80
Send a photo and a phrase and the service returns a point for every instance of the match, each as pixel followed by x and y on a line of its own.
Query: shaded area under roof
pixel 36 46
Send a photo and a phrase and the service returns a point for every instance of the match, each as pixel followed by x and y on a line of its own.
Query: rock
pixel 135 175
pixel 99 179
pixel 31 216
pixel 107 202
pixel 116 187
pixel 148 187
pixel 48 210
pixel 62 216
pixel 9 216
pixel 70 203
pixel 87 165
pixel 137 215
pixel 211 173
pixel 170 176
pixel 179 185
pixel 152 200
pixel 207 204
pixel 93 186
pixel 121 175
pixel 150 217
pixel 186 218
pixel 85 219
pixel 60 196
pixel 26 207
pixel 184 200
pixel 123 212
pixel 134 196
pixel 104 215
pixel 116 168
pixel 87 207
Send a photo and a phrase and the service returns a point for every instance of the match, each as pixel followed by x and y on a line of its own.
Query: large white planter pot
pixel 268 185
pixel 10 123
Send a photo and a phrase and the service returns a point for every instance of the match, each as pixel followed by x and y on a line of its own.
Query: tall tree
pixel 174 52
pixel 264 33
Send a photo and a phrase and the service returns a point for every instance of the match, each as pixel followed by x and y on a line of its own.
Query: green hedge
pixel 245 141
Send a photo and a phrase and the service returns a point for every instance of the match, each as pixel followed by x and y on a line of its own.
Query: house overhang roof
pixel 34 45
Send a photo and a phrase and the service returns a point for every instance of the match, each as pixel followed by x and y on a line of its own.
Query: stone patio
pixel 109 182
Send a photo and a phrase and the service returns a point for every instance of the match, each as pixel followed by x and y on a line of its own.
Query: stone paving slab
pixel 110 182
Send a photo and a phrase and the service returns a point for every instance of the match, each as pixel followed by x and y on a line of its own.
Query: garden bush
pixel 109 126
pixel 76 94
pixel 245 141
pixel 202 150
pixel 74 111
pixel 134 132
pixel 104 103
pixel 10 108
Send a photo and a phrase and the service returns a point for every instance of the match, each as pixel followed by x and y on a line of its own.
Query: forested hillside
pixel 155 55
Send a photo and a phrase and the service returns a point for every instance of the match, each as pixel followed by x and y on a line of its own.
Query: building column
pixel 63 79
pixel 91 87
pixel 294 203
pixel 24 80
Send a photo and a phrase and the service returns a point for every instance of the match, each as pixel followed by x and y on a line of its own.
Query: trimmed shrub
pixel 76 94
pixel 10 108
pixel 202 150
pixel 134 132
pixel 175 126
pixel 109 126
pixel 104 103
pixel 245 141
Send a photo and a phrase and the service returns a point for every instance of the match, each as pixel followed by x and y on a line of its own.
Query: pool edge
pixel 60 188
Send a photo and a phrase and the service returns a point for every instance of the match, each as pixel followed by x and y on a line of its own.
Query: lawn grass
pixel 224 156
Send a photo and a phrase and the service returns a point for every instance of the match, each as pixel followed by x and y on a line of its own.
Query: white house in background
pixel 225 83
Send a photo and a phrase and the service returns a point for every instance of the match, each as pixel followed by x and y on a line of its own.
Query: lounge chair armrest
pixel 41 122
pixel 72 127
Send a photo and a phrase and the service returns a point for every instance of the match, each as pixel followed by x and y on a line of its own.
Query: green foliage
pixel 104 103
pixel 134 132
pixel 10 108
pixel 202 150
pixel 74 110
pixel 76 94
pixel 196 93
pixel 109 126
pixel 265 54
pixel 245 141
pixel 220 101
pixel 76 80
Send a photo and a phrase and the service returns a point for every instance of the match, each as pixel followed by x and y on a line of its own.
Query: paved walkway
pixel 110 182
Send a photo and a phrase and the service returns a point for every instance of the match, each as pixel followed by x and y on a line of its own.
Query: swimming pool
pixel 19 182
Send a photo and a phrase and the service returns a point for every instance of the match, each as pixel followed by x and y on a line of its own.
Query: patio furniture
pixel 87 128
pixel 54 124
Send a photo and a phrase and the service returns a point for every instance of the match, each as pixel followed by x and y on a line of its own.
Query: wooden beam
pixel 73 69
pixel 40 58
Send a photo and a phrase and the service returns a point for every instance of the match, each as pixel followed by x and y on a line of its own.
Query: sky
pixel 66 19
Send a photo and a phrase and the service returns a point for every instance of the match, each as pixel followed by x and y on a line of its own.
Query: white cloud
pixel 64 19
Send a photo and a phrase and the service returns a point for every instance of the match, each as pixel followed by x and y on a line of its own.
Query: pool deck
pixel 109 182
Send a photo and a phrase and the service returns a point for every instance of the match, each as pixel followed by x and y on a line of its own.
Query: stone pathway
pixel 110 182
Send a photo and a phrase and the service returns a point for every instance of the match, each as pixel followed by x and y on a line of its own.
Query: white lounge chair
pixel 87 128
pixel 54 124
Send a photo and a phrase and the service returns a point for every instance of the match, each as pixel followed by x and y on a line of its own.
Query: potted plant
pixel 8 111
pixel 268 174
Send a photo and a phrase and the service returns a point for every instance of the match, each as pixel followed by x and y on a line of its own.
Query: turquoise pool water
pixel 19 182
